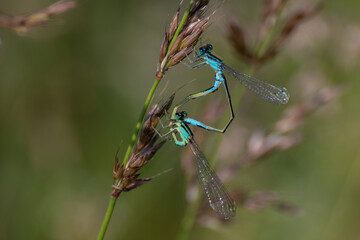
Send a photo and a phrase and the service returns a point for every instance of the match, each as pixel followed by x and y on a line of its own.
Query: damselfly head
pixel 205 49
pixel 181 115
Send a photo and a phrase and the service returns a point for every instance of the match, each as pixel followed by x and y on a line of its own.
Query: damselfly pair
pixel 218 197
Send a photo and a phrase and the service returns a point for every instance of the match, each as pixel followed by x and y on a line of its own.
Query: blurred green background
pixel 72 90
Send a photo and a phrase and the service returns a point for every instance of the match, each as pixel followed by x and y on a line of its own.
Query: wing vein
pixel 219 198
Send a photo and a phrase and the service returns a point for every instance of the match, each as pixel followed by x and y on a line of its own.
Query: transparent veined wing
pixel 264 90
pixel 219 198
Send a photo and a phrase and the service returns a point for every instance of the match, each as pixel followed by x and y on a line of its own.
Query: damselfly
pixel 219 198
pixel 264 90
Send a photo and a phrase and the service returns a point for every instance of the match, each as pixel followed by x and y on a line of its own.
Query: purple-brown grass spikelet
pixel 22 24
pixel 127 177
pixel 173 50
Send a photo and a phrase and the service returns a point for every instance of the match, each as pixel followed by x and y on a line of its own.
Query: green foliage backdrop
pixel 72 90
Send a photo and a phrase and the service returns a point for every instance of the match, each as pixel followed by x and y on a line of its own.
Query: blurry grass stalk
pixel 271 18
pixel 266 49
pixel 24 23
pixel 192 208
pixel 177 44
pixel 126 177
pixel 164 65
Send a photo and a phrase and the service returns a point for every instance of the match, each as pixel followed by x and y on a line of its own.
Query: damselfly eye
pixel 202 50
pixel 205 49
pixel 181 115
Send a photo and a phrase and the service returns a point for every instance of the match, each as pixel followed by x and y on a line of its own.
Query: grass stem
pixel 107 218
pixel 159 76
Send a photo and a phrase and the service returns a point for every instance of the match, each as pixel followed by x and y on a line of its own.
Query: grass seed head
pixel 187 36
pixel 127 177
pixel 22 24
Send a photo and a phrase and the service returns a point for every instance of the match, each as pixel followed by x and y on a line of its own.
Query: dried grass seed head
pixel 271 12
pixel 164 47
pixel 174 24
pixel 147 146
pixel 188 35
pixel 288 28
pixel 236 36
pixel 22 24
